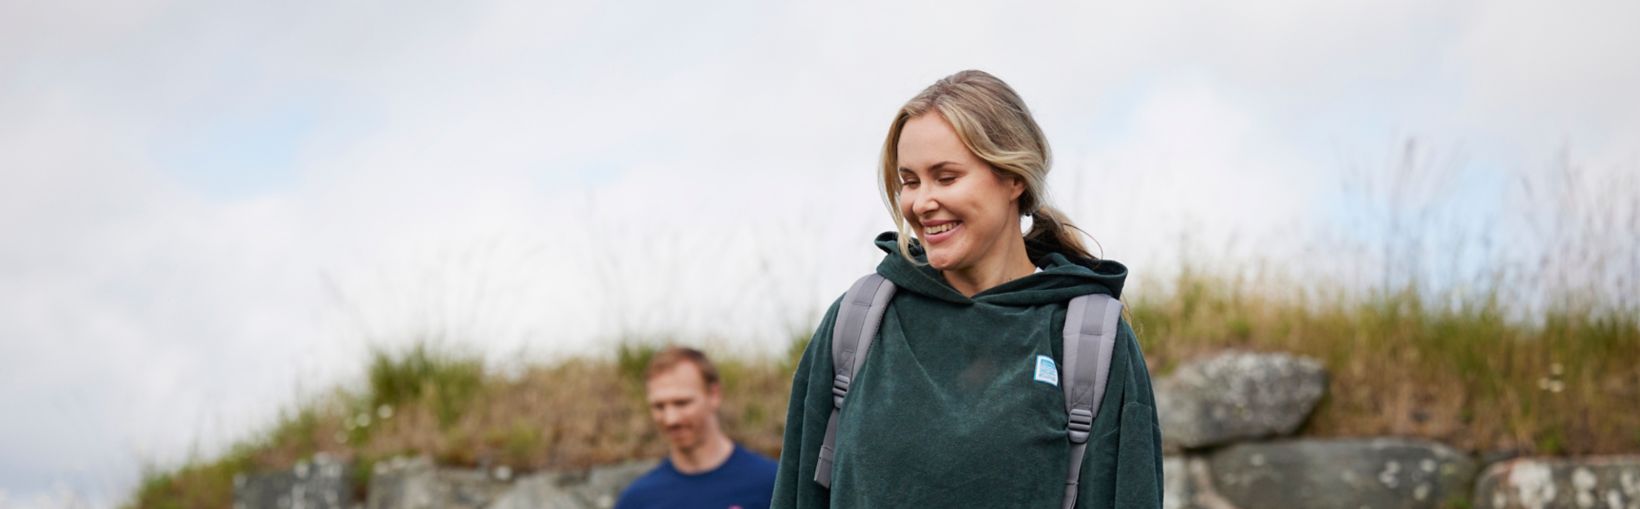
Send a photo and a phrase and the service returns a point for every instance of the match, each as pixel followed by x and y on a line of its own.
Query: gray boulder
pixel 1176 486
pixel 1608 482
pixel 1376 473
pixel 596 488
pixel 1237 395
pixel 418 484
pixel 1187 484
pixel 319 483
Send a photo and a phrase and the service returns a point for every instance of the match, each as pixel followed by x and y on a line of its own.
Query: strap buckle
pixel 1081 423
pixel 839 389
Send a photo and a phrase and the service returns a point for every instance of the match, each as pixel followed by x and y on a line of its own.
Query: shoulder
pixel 1127 341
pixel 751 460
pixel 646 486
pixel 1130 366
pixel 819 345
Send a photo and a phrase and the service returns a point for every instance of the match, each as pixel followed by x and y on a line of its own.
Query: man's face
pixel 683 406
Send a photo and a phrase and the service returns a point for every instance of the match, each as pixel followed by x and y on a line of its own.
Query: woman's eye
pixel 908 183
pixel 947 180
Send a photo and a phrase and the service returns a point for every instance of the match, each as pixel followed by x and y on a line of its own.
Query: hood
pixel 1063 276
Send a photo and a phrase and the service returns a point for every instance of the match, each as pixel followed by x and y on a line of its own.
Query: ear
pixel 714 393
pixel 1016 186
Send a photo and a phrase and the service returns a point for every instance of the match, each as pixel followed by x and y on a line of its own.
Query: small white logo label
pixel 1046 371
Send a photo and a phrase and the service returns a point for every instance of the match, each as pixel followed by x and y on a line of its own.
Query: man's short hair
pixel 672 356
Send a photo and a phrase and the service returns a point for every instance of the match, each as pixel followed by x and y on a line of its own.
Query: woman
pixel 949 409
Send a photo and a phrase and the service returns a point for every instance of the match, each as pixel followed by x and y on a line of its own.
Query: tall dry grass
pixel 1400 366
pixel 1519 343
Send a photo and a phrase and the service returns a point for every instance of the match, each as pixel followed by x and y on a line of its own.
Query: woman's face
pixel 959 207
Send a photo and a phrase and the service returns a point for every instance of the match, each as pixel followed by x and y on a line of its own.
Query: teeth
pixel 940 229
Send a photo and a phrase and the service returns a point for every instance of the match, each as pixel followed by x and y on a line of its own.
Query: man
pixel 705 469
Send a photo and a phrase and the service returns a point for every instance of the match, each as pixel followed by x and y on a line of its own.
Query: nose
pixel 923 204
pixel 668 416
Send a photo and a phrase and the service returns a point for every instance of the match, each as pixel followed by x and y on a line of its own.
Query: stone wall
pixel 1224 423
pixel 416 483
pixel 1226 426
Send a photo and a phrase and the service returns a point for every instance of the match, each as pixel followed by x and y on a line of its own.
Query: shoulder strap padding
pixel 856 324
pixel 1091 322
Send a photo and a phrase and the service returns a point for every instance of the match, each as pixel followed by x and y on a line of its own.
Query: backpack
pixel 1089 335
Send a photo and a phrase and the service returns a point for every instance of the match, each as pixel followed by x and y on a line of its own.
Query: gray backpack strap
pixel 856 324
pixel 1090 338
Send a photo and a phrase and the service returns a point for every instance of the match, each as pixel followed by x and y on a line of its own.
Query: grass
pixel 422 400
pixel 444 381
pixel 1399 364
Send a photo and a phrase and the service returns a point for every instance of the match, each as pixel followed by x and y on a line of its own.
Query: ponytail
pixel 1050 228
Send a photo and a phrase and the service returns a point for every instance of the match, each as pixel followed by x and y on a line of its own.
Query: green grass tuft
pixel 449 381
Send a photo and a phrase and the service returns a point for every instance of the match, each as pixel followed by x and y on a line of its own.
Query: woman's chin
pixel 940 261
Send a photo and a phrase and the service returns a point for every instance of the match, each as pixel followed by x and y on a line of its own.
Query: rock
pixel 1187 484
pixel 1532 483
pixel 321 483
pixel 1377 473
pixel 417 484
pixel 1235 396
pixel 596 488
pixel 1176 487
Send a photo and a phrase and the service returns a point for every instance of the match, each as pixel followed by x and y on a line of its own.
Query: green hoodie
pixel 946 411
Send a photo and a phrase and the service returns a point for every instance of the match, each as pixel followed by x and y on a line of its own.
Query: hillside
pixel 1462 372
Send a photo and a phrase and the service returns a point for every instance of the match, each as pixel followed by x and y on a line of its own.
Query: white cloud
pixel 503 171
pixel 1193 173
pixel 1564 69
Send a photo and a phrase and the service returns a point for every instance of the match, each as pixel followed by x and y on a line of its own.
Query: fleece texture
pixel 947 410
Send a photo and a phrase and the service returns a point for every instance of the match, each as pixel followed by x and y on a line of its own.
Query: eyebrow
pixel 936 167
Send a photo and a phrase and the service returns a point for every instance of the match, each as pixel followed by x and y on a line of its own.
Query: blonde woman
pixel 951 406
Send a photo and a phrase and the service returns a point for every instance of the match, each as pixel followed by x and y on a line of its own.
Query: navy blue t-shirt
pixel 744 481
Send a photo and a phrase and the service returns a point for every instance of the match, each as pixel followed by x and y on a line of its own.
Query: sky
pixel 211 210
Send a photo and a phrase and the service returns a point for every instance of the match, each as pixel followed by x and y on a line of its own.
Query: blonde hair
pixel 992 121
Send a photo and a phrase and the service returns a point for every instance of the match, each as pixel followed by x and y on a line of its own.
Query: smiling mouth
pixel 933 230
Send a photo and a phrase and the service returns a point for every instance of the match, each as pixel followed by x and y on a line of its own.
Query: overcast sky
pixel 212 208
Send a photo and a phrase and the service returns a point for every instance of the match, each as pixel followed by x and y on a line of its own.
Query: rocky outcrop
pixel 1176 485
pixel 1188 484
pixel 1237 396
pixel 321 483
pixel 417 484
pixel 596 488
pixel 1607 482
pixel 1380 473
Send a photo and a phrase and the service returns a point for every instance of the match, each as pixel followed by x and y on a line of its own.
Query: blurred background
pixel 216 213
